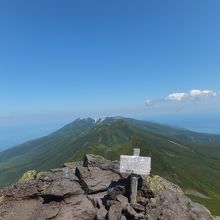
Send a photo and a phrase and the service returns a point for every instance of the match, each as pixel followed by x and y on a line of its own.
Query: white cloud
pixel 148 102
pixel 202 93
pixel 181 97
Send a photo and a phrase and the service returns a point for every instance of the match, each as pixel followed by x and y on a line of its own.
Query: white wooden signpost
pixel 135 165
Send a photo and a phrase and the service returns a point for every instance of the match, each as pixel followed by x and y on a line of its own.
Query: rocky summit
pixel 95 189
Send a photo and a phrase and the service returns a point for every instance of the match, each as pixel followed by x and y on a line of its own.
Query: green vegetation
pixel 212 204
pixel 189 159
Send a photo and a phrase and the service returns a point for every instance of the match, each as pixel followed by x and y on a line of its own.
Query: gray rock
pixel 114 191
pixel 93 179
pixel 156 184
pixel 143 201
pixel 59 182
pixel 95 192
pixel 130 212
pixel 48 211
pixel 73 165
pixel 122 199
pixel 170 205
pixel 115 212
pixel 53 194
pixel 20 191
pixel 78 207
pixel 101 213
pixel 63 187
pixel 57 174
pixel 169 202
pixel 96 198
pixel 20 210
pixel 97 201
pixel 91 160
pixel 137 207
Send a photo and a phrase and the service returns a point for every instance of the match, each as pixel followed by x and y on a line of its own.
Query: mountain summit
pixel 95 190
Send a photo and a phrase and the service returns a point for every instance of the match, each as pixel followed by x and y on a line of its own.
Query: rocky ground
pixel 94 189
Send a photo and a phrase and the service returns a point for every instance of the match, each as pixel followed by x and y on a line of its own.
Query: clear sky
pixel 90 57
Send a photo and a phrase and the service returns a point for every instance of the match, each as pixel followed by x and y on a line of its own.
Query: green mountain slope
pixel 190 159
pixel 177 133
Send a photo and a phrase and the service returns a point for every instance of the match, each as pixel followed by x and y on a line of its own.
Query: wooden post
pixel 136 152
pixel 134 185
pixel 134 180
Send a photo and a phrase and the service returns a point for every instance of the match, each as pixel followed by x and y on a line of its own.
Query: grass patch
pixel 212 204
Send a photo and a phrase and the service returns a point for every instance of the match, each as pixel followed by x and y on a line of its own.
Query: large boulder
pixel 56 193
pixel 94 179
pixel 59 182
pixel 169 202
pixel 77 207
pixel 91 160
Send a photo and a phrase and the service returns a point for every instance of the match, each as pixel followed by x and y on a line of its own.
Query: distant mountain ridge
pixel 190 159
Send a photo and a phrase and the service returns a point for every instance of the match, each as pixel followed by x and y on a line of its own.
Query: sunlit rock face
pixel 94 189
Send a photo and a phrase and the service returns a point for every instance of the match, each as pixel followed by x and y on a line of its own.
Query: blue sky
pixel 64 59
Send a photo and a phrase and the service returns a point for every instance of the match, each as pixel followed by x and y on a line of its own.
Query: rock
pixel 20 210
pixel 143 201
pixel 115 212
pixel 130 213
pixel 137 207
pixel 63 188
pixel 170 205
pixel 114 191
pixel 122 199
pixel 96 198
pixel 91 160
pixel 21 190
pixel 29 175
pixel 73 165
pixel 59 182
pixel 169 202
pixel 145 192
pixel 49 211
pixel 156 184
pixel 94 180
pixel 78 207
pixel 98 201
pixel 2 198
pixel 55 193
pixel 101 214
pixel 101 211
pixel 94 192
pixel 57 174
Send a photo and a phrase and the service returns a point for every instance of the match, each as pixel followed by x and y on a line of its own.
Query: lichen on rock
pixel 156 184
pixel 29 175
pixel 1 199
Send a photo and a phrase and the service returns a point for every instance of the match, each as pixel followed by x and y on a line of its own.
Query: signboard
pixel 135 164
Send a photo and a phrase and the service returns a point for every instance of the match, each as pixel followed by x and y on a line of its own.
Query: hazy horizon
pixel 14 135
